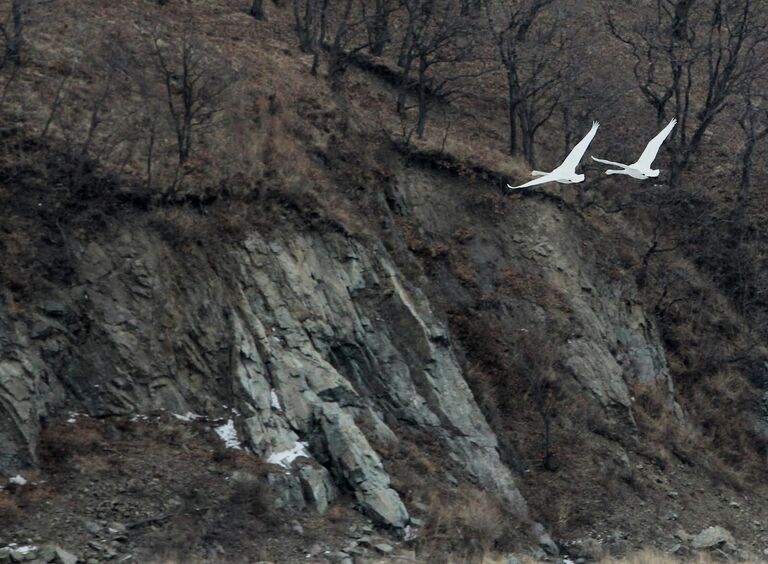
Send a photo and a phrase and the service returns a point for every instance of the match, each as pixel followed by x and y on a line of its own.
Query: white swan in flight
pixel 566 172
pixel 642 168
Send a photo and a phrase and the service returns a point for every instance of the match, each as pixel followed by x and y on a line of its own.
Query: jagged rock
pixel 588 548
pixel 64 557
pixel 318 487
pixel 297 528
pixel 361 468
pixel 117 527
pixel 679 550
pixel 714 537
pixel 287 491
pixel 384 548
pixel 544 540
pixel 47 553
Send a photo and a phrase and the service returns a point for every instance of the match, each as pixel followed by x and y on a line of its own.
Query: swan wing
pixel 609 162
pixel 577 153
pixel 549 177
pixel 652 149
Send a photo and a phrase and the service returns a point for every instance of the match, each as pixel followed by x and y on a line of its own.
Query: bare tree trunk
pixel 257 10
pixel 304 24
pixel 404 82
pixel 15 42
pixel 746 172
pixel 337 56
pixel 93 124
pixel 57 101
pixel 151 154
pixel 512 111
pixel 529 134
pixel 675 172
pixel 379 28
pixel 318 38
pixel 423 101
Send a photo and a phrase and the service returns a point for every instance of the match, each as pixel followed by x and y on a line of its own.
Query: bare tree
pixel 692 58
pixel 510 26
pixel 547 79
pixel 377 24
pixel 194 82
pixel 309 17
pixel 754 125
pixel 437 55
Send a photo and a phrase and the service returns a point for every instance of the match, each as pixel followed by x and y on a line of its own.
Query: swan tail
pixel 615 172
pixel 537 173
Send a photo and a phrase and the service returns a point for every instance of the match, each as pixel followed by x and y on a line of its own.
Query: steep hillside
pixel 319 338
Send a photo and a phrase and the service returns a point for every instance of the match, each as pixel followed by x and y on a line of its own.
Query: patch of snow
pixel 228 434
pixel 567 560
pixel 286 457
pixel 187 417
pixel 274 400
pixel 138 417
pixel 73 415
pixel 18 479
pixel 24 549
pixel 409 533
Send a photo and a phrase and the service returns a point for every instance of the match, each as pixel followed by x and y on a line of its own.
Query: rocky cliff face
pixel 297 337
pixel 315 342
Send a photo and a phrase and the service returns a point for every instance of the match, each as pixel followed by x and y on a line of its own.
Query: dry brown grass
pixel 9 510
pixel 465 521
pixel 521 284
pixel 651 556
pixel 647 556
pixel 60 442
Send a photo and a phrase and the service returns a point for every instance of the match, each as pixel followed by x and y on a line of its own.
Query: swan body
pixel 566 172
pixel 641 169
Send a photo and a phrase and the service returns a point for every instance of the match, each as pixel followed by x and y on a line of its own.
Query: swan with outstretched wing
pixel 641 169
pixel 566 172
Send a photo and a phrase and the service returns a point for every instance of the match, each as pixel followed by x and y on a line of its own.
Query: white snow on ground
pixel 187 417
pixel 18 479
pixel 73 415
pixel 24 549
pixel 286 457
pixel 228 434
pixel 275 400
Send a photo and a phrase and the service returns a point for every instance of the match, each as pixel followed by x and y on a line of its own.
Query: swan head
pixel 578 178
pixel 653 173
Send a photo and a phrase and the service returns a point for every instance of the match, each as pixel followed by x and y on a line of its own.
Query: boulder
pixel 360 467
pixel 64 557
pixel 545 541
pixel 714 537
pixel 384 548
pixel 287 491
pixel 318 487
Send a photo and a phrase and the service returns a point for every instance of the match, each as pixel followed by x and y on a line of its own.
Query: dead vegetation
pixel 87 141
